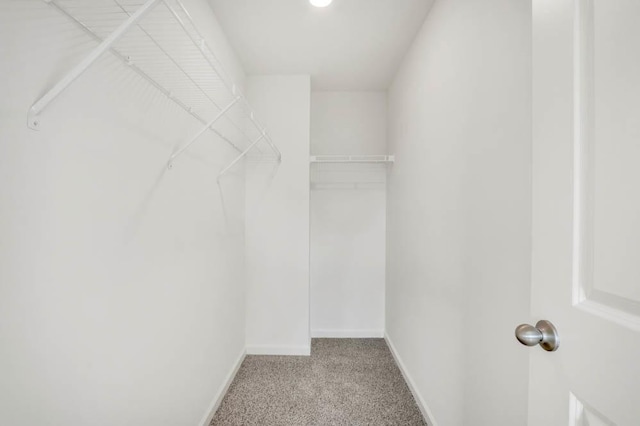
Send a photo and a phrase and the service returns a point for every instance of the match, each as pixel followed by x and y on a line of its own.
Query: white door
pixel 586 217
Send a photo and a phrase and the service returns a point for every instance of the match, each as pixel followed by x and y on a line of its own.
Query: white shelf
pixel 349 171
pixel 159 40
pixel 352 159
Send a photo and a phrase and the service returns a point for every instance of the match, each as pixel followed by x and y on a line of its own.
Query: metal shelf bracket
pixel 204 129
pixel 33 120
pixel 239 157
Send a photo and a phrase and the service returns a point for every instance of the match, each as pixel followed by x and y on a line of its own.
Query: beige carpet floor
pixel 343 382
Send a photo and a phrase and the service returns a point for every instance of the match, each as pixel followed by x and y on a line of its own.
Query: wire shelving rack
pixel 349 171
pixel 159 40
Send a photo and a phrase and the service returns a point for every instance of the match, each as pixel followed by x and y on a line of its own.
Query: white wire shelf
pixel 159 40
pixel 352 159
pixel 349 171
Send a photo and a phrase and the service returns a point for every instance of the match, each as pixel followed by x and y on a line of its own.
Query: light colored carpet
pixel 343 382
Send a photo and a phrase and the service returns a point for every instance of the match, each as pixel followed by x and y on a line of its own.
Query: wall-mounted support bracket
pixel 273 147
pixel 32 120
pixel 267 138
pixel 204 129
pixel 239 157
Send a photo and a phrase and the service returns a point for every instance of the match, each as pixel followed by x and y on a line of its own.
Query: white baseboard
pixel 422 405
pixel 278 350
pixel 348 334
pixel 215 404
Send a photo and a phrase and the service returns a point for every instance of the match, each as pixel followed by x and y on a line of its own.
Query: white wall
pixel 121 284
pixel 458 226
pixel 348 123
pixel 277 221
pixel 348 216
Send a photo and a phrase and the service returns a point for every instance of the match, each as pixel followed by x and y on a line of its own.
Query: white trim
pixel 348 334
pixel 215 404
pixel 422 405
pixel 278 350
pixel 610 313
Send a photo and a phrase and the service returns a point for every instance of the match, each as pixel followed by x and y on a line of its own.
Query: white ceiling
pixel 349 45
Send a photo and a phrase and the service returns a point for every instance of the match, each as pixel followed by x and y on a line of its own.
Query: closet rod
pixel 352 159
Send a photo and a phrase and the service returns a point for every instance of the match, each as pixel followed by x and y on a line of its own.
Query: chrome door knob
pixel 544 334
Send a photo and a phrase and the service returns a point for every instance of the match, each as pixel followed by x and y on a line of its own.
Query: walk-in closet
pixel 319 212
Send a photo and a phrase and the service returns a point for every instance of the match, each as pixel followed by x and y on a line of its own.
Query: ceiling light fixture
pixel 320 3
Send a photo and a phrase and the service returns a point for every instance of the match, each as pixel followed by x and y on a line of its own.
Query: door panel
pixel 586 211
pixel 612 37
pixel 581 414
pixel 606 51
